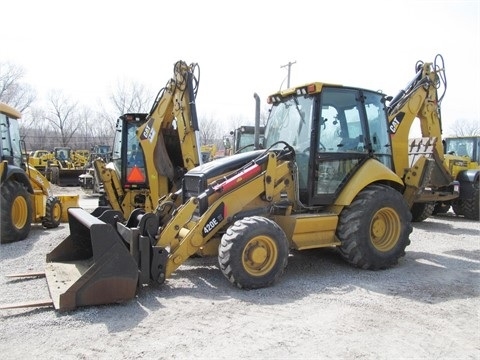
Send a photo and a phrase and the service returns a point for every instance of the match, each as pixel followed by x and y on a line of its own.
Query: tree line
pixel 61 121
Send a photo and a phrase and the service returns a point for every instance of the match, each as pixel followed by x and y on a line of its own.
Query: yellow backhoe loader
pixel 152 152
pixel 337 170
pixel 25 194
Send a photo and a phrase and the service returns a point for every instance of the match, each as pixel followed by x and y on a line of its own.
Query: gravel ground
pixel 427 307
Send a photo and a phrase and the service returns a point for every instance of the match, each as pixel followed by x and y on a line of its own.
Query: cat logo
pixel 396 123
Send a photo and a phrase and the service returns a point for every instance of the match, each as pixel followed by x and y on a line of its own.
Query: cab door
pixel 341 142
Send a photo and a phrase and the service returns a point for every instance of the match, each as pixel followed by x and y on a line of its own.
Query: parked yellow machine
pixel 25 193
pixel 462 158
pixel 40 159
pixel 208 152
pixel 61 166
pixel 337 171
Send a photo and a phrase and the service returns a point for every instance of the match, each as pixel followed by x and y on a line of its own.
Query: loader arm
pixel 186 233
pixel 255 188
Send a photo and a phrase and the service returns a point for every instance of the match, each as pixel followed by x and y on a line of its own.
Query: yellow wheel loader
pixel 151 152
pixel 337 171
pixel 25 194
pixel 462 158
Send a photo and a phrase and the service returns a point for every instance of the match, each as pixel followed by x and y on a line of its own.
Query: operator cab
pixel 333 130
pixel 128 160
pixel 10 147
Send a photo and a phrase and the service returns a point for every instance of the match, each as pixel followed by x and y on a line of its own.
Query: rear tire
pixel 53 213
pixel 253 253
pixel 374 229
pixel 470 207
pixel 422 211
pixel 16 212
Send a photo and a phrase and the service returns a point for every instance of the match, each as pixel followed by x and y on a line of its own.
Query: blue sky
pixel 84 48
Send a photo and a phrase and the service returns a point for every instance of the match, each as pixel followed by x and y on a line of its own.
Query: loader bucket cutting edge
pixel 92 266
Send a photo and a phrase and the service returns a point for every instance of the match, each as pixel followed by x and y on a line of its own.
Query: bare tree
pixel 36 131
pixel 85 131
pixel 209 130
pixel 63 116
pixel 131 96
pixel 12 90
pixel 462 127
pixel 102 129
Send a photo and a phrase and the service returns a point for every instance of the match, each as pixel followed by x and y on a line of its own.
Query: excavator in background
pixel 337 170
pixel 152 152
pixel 462 158
pixel 25 194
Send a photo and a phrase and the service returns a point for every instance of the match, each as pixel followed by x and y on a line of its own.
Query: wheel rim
pixel 56 212
pixel 19 212
pixel 385 229
pixel 259 255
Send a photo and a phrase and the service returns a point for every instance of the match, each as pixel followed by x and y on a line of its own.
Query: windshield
pixel 245 139
pixel 460 147
pixel 290 121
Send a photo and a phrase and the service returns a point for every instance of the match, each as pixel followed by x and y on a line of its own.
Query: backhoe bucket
pixel 92 266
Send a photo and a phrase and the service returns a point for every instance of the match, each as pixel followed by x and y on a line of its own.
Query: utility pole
pixel 288 76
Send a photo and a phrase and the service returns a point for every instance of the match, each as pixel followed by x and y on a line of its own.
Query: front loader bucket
pixel 92 266
pixel 69 177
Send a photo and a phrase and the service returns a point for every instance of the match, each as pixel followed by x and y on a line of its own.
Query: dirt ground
pixel 427 307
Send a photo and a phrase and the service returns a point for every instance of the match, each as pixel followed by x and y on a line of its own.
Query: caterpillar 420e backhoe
pixel 152 152
pixel 335 172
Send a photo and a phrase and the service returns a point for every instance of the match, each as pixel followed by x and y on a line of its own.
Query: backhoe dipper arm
pixel 419 163
pixel 418 100
pixel 169 138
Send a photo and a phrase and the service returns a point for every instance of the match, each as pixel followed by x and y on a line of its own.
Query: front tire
pixel 374 229
pixel 253 253
pixel 53 213
pixel 16 212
